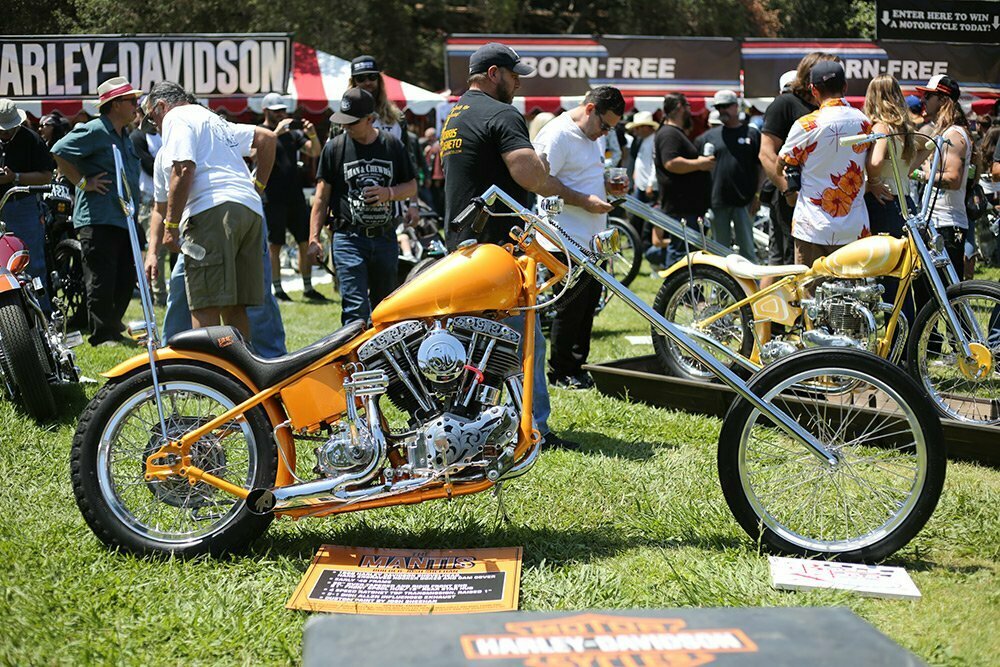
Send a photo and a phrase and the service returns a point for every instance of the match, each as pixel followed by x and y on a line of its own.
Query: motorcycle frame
pixel 174 457
pixel 907 270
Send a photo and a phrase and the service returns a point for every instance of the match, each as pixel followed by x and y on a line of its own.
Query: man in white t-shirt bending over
pixel 212 201
pixel 571 145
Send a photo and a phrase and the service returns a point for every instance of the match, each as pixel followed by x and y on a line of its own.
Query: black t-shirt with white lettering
pixel 25 152
pixel 475 136
pixel 383 163
pixel 681 195
pixel 737 165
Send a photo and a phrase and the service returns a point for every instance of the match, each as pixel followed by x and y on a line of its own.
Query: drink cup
pixel 617 179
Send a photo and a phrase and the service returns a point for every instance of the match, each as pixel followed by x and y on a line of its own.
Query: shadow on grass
pixel 597 443
pixel 541 544
pixel 71 399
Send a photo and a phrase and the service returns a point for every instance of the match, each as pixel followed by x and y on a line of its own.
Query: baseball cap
pixel 500 55
pixel 364 65
pixel 786 80
pixel 914 103
pixel 724 98
pixel 356 104
pixel 827 71
pixel 942 83
pixel 274 102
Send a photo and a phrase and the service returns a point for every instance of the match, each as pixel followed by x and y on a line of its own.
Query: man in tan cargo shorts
pixel 213 201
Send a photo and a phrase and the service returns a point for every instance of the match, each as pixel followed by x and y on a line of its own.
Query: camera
pixel 793 175
pixel 296 124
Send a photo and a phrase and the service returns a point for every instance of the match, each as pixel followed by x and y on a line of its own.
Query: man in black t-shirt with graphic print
pixel 362 176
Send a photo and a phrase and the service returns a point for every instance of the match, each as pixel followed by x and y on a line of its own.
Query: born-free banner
pixel 568 66
pixel 976 67
pixel 72 66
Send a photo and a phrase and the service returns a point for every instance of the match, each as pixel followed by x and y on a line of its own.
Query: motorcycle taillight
pixel 18 262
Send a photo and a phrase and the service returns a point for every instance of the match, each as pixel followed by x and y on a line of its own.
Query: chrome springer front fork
pixel 784 421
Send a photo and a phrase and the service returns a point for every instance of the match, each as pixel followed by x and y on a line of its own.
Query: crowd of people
pixel 218 199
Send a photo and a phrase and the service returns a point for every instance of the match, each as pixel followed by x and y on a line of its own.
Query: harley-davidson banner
pixel 71 67
pixel 358 580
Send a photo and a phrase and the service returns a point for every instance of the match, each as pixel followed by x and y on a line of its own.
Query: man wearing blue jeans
pixel 362 179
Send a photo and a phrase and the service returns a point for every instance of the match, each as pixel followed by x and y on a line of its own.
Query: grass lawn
pixel 635 519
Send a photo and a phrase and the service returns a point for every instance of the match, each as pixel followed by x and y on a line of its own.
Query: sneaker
pixel 553 441
pixel 280 295
pixel 581 380
pixel 313 295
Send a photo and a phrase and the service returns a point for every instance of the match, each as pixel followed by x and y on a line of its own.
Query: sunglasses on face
pixel 361 78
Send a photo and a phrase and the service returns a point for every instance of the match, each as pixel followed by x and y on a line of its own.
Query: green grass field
pixel 635 519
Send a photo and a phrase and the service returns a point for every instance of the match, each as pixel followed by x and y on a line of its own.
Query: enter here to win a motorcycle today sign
pixel 355 580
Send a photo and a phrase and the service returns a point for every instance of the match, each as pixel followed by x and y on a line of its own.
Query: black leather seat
pixel 226 343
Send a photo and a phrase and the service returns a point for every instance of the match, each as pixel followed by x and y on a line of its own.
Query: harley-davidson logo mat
pixel 359 580
pixel 619 638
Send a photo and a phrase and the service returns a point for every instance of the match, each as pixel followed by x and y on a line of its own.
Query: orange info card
pixel 360 580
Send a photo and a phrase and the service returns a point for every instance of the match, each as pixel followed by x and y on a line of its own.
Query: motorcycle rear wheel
pixel 885 433
pixel 22 359
pixel 713 292
pixel 69 285
pixel 120 428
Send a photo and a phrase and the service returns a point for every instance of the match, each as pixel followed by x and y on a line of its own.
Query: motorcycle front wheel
pixel 625 265
pixel 874 419
pixel 23 364
pixel 120 428
pixel 933 354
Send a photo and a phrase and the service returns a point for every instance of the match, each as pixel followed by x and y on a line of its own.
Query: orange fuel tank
pixel 477 278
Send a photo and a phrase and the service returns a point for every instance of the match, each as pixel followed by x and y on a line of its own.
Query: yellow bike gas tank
pixel 477 278
pixel 865 258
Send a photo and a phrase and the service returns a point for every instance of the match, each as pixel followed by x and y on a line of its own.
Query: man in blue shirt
pixel 86 157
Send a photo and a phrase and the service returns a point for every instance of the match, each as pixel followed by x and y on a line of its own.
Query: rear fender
pixel 8 281
pixel 272 407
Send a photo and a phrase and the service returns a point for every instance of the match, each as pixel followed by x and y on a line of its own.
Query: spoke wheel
pixel 684 302
pixel 934 354
pixel 890 450
pixel 23 359
pixel 121 428
pixel 69 285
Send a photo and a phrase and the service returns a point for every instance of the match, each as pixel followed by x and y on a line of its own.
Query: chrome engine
pixel 843 314
pixel 448 377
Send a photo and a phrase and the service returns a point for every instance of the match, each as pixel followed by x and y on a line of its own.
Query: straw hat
pixel 642 118
pixel 114 88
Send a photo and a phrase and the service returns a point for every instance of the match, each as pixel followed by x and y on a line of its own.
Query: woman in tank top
pixel 886 109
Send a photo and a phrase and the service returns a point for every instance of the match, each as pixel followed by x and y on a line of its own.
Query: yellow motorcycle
pixel 951 348
pixel 196 447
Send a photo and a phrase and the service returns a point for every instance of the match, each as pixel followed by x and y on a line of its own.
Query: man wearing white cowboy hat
pixel 86 157
pixel 24 160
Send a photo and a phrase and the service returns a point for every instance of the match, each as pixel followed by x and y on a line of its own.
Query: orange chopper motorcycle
pixel 197 446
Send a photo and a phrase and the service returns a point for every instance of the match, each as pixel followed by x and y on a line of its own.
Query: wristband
pixel 170 225
pixel 260 186
pixel 82 184
pixel 17 178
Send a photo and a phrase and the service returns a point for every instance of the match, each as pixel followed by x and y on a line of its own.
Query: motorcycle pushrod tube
pixel 669 329
pixel 672 226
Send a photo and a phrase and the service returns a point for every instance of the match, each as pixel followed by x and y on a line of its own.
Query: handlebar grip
pixel 39 188
pixel 856 139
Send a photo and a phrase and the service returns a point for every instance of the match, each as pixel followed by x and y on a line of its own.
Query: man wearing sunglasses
pixel 86 158
pixel 362 174
pixel 572 145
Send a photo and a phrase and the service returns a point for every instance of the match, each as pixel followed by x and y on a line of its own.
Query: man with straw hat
pixel 86 157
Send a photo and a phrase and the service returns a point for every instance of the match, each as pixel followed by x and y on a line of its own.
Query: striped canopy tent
pixel 317 82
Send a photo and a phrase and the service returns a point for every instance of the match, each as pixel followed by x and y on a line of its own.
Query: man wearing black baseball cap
pixel 362 172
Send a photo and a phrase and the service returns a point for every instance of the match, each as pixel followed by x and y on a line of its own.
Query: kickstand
pixel 502 517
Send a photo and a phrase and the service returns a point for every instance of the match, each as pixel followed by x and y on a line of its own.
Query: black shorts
pixel 291 216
